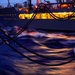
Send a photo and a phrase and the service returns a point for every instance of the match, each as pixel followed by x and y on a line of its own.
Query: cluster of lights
pixel 45 15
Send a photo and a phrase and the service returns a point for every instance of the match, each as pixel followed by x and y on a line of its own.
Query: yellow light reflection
pixel 21 16
pixel 45 15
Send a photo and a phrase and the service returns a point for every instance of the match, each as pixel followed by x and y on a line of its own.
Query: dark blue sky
pixel 4 2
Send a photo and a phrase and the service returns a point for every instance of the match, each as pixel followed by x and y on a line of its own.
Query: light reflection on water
pixel 51 45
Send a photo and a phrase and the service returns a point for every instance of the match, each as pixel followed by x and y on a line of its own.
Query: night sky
pixel 4 2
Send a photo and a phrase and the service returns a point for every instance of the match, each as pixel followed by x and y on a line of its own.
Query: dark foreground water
pixel 56 50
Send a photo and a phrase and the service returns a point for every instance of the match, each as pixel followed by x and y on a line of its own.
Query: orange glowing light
pixel 20 9
pixel 26 10
pixel 64 6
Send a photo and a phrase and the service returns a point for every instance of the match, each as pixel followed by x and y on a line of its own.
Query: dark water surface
pixel 57 50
